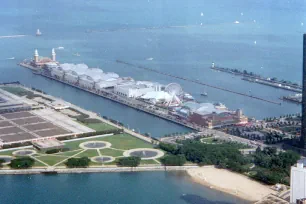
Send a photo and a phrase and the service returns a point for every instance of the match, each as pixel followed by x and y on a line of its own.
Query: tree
pixel 22 163
pixel 168 147
pixel 78 162
pixel 258 150
pixel 1 162
pixel 173 160
pixel 129 161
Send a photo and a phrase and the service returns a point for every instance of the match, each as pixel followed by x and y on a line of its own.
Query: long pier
pixel 197 82
pixel 136 104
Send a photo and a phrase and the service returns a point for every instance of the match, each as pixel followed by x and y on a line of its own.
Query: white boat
pixel 38 33
pixel 76 54
pixel 204 94
pixel 60 48
pixel 188 97
pixel 11 58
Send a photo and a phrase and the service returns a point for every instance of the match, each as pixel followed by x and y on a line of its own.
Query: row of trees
pixel 53 151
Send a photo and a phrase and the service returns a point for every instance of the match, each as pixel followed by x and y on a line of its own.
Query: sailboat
pixel 38 33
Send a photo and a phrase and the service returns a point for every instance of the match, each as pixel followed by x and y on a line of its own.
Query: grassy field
pixel 210 140
pixel 16 90
pixel 120 143
pixel 99 126
pixel 126 141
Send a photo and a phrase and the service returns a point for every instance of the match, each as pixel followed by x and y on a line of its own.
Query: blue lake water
pixel 185 48
pixel 144 188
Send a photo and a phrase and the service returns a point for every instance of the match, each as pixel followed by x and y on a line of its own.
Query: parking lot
pixel 20 126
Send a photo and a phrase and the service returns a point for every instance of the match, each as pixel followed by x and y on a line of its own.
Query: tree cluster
pixel 1 162
pixel 222 155
pixel 78 162
pixel 53 151
pixel 273 167
pixel 129 161
pixel 22 163
pixel 173 160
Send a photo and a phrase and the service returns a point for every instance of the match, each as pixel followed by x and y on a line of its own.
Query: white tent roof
pixel 157 95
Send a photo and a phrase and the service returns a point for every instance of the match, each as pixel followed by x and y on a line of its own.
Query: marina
pixel 297 98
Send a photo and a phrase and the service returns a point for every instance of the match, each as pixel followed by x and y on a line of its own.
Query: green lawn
pixel 51 160
pixel 88 153
pixel 68 153
pixel 99 126
pixel 151 161
pixel 16 90
pixel 39 164
pixel 209 140
pixel 126 141
pixel 121 142
pixel 111 152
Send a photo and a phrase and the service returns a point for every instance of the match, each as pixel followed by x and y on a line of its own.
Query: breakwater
pixel 255 78
pixel 197 82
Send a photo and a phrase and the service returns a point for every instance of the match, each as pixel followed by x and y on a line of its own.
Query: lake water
pixel 188 50
pixel 109 188
pixel 188 36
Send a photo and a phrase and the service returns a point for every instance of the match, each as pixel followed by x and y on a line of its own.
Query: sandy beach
pixel 229 182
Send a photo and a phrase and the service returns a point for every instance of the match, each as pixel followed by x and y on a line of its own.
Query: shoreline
pixel 110 169
pixel 227 182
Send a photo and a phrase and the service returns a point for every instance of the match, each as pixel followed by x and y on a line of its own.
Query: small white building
pixel 298 181
pixel 133 90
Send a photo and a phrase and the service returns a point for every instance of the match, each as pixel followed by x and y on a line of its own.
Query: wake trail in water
pixel 165 27
pixel 135 29
pixel 12 36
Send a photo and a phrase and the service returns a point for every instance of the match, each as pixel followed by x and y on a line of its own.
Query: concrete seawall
pixel 96 169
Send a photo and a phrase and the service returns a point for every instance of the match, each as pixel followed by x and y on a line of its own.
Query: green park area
pixel 97 125
pixel 106 149
pixel 19 91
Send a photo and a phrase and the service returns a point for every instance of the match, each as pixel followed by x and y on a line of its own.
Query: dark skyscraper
pixel 303 132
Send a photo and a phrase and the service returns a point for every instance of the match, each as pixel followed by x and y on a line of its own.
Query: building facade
pixel 132 91
pixel 298 181
pixel 303 130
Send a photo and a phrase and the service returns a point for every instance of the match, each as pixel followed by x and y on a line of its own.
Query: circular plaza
pixel 6 158
pixel 144 153
pixel 24 152
pixel 95 145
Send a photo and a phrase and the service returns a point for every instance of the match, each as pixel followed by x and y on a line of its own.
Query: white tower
pixel 36 56
pixel 53 55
